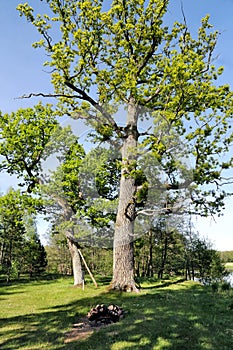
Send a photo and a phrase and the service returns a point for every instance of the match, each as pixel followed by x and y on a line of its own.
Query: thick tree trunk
pixel 123 251
pixel 76 262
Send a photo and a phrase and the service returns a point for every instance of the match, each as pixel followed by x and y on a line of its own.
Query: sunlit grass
pixel 229 265
pixel 178 315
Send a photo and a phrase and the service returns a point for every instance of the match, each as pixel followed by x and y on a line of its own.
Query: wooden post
pixel 89 271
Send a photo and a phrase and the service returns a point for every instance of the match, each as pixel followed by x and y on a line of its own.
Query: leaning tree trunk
pixel 123 251
pixel 76 262
pixel 72 242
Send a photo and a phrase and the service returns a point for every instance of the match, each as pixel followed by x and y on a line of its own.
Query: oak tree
pixel 103 56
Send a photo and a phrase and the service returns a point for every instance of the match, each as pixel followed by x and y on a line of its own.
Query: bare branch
pixel 46 95
pixel 84 96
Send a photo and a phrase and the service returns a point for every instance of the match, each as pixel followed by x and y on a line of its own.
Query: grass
pixel 176 316
pixel 229 265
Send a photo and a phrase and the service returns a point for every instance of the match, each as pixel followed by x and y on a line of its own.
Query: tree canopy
pixel 103 55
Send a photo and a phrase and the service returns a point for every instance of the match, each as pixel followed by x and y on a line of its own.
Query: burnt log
pixel 105 314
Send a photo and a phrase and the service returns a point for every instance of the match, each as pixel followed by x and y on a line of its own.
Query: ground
pixel 82 330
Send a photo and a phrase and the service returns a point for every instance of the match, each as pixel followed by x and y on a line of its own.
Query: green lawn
pixel 184 315
pixel 229 265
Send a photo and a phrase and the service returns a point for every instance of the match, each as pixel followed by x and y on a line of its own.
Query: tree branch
pixel 154 44
pixel 84 96
pixel 46 95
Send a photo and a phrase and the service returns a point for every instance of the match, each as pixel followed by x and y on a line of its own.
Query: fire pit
pixel 103 314
pixel 99 316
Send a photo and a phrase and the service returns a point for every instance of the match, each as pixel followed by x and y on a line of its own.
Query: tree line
pixel 227 256
pixel 176 255
pixel 21 251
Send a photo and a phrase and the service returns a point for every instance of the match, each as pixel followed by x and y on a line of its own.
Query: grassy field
pixel 182 315
pixel 229 265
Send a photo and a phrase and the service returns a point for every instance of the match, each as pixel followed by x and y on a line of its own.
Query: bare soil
pixel 82 330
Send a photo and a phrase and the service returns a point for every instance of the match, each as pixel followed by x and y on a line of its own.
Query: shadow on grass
pixel 189 317
pixel 25 279
pixel 163 284
pixel 16 286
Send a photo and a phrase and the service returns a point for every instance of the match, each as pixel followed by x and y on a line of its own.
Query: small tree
pixel 205 261
pixel 28 138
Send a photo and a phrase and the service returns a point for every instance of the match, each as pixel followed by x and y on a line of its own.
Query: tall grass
pixel 167 315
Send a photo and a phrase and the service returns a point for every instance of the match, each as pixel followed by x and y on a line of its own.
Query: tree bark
pixel 72 242
pixel 123 251
pixel 76 262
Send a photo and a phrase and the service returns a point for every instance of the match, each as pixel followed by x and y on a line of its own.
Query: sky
pixel 22 72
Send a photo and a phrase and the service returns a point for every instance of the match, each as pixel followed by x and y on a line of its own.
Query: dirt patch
pixel 98 317
pixel 83 330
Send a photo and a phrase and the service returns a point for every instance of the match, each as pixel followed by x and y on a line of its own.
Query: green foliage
pixel 21 249
pixel 58 256
pixel 99 260
pixel 84 188
pixel 100 182
pixel 170 252
pixel 107 179
pixel 26 141
pixel 35 260
pixel 227 256
pixel 65 180
pixel 12 231
pixel 123 52
pixel 204 262
pixel 226 286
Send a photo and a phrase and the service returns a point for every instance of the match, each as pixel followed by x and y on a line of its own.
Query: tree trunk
pixel 72 242
pixel 163 258
pixel 2 253
pixel 123 251
pixel 76 262
pixel 150 255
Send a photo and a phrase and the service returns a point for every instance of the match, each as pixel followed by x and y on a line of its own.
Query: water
pixel 229 279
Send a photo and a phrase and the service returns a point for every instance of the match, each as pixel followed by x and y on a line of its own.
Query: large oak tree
pixel 105 55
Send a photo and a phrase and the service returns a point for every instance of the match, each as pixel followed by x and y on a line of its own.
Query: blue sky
pixel 22 72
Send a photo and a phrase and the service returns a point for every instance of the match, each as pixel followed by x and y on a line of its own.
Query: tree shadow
pixel 163 284
pixel 45 329
pixel 190 318
pixel 25 280
pixel 187 318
